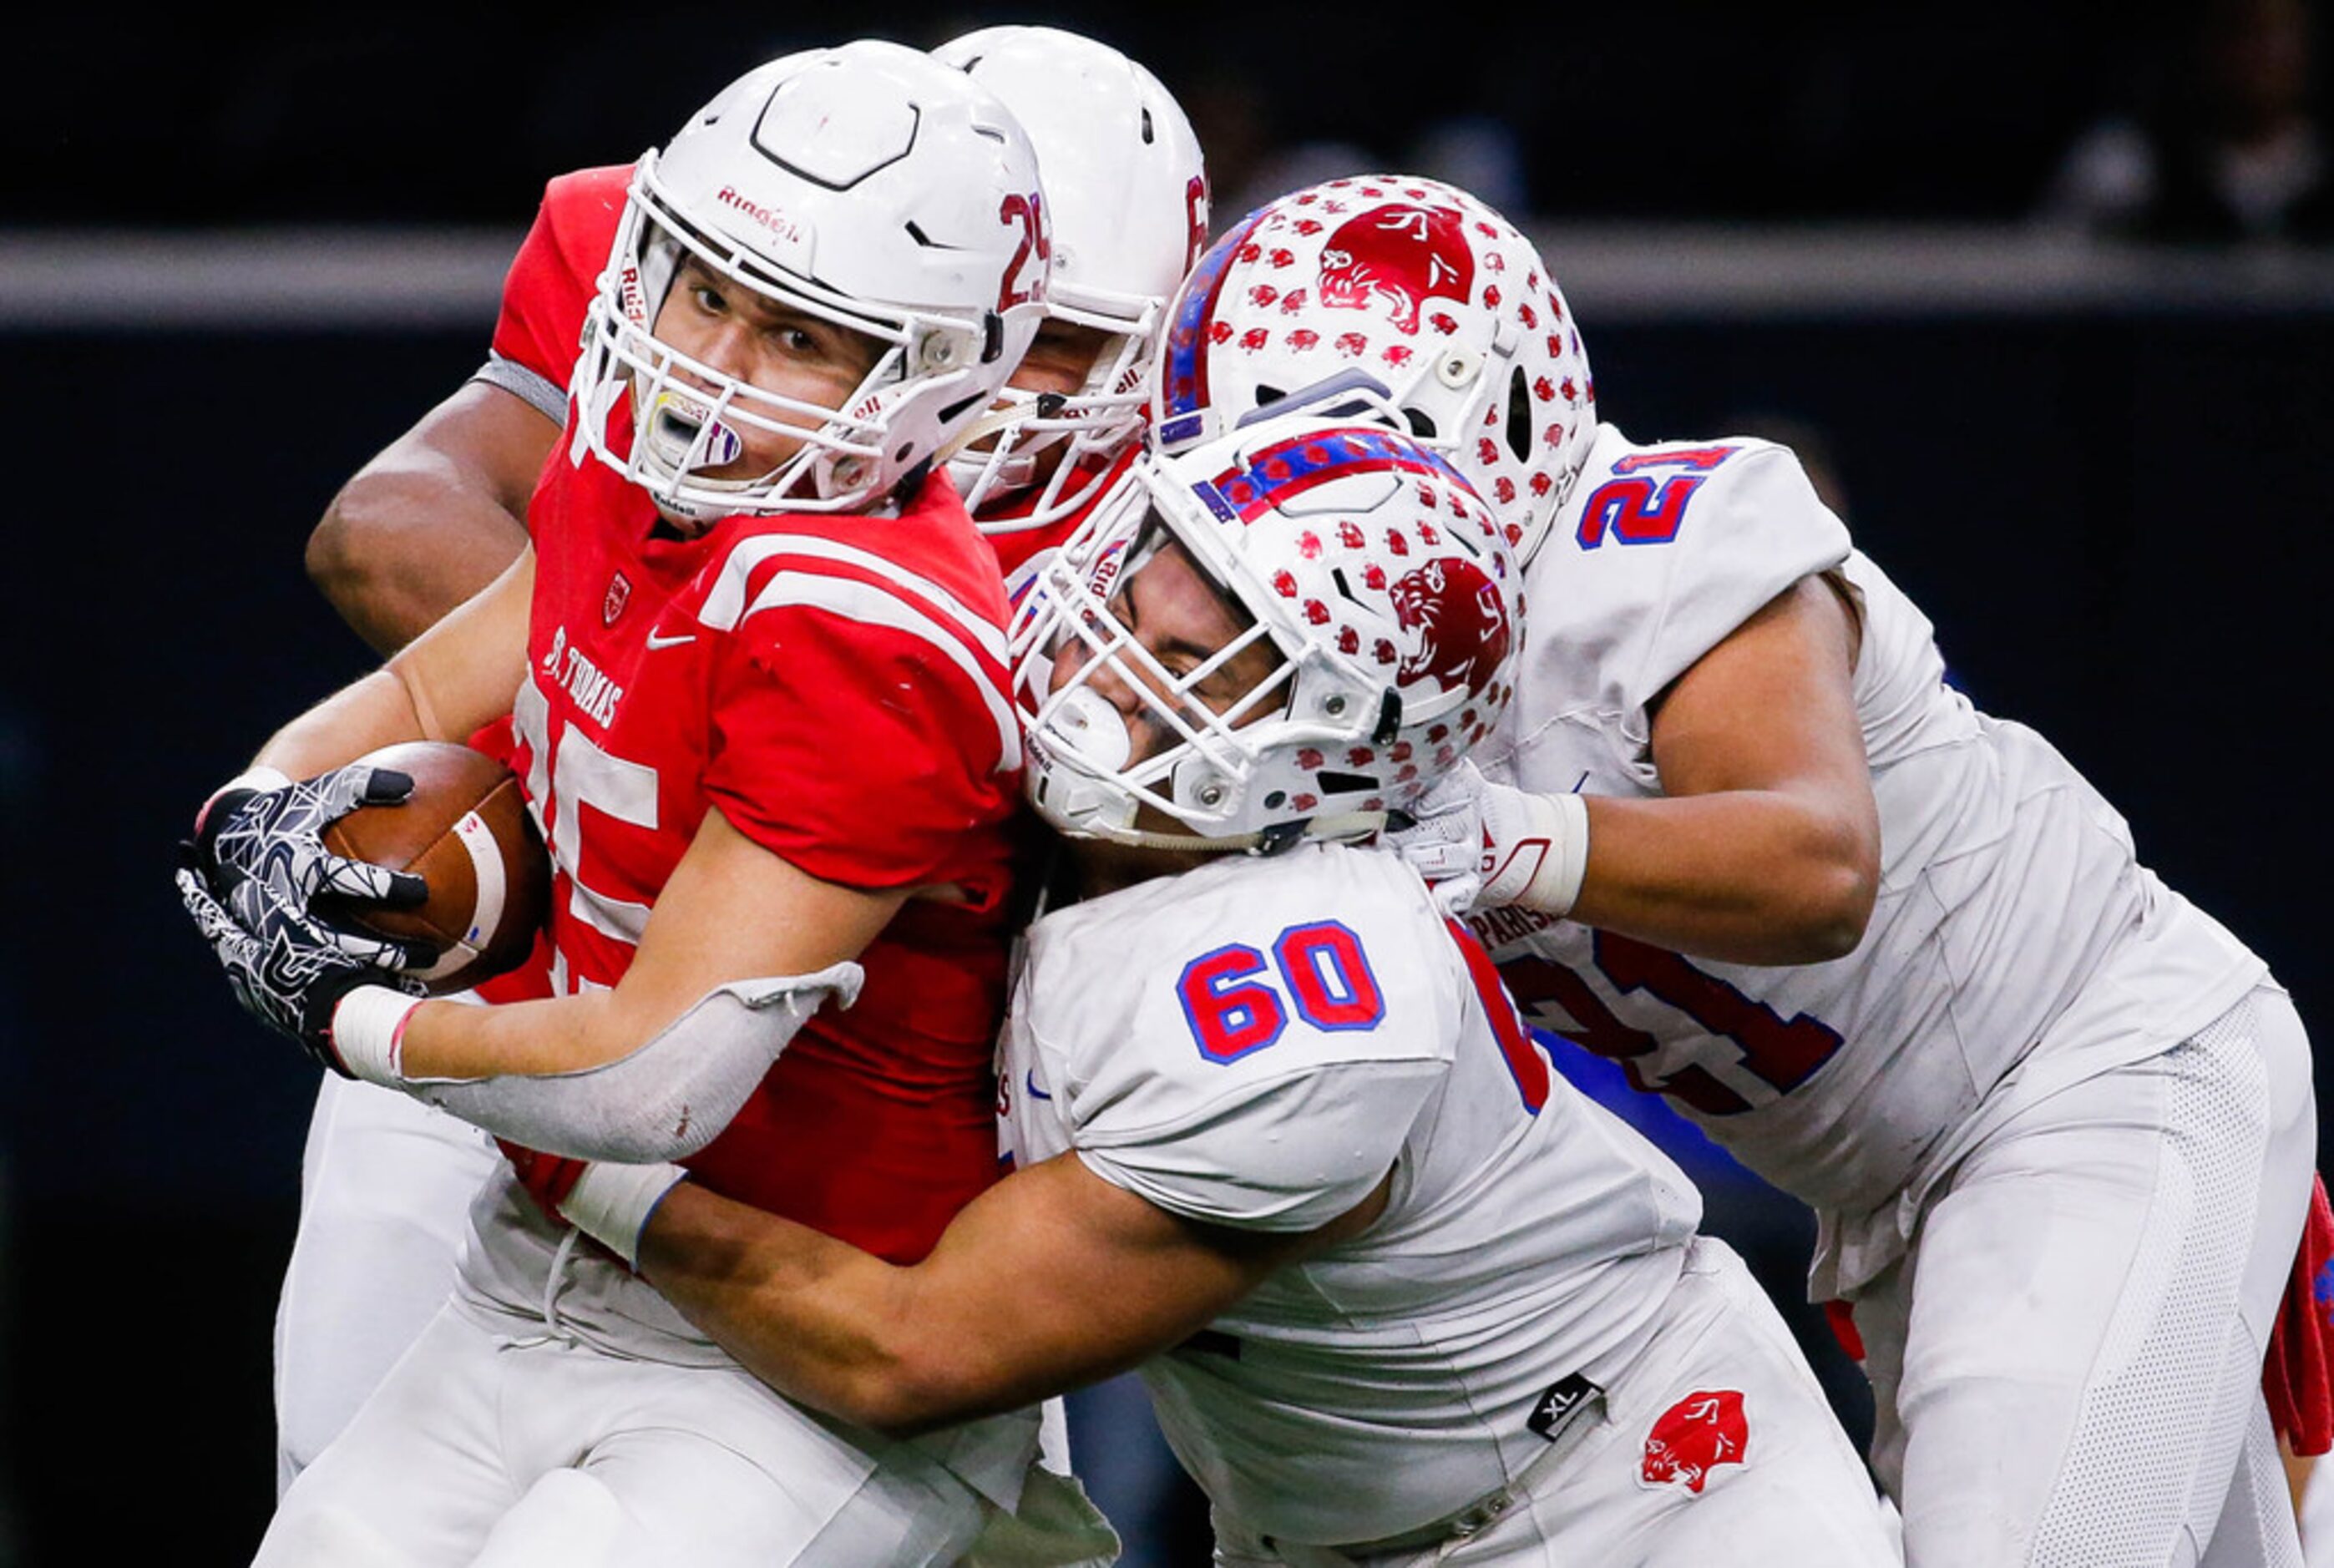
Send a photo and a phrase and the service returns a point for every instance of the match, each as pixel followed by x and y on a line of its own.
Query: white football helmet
pixel 1413 284
pixel 1384 586
pixel 1128 197
pixel 868 186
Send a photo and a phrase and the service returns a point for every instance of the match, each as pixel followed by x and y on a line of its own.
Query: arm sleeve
pixel 1286 1153
pixel 539 391
pixel 865 754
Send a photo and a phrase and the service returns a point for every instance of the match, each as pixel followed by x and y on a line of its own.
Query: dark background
pixel 2116 511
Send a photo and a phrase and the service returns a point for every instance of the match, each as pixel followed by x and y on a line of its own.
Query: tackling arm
pixel 1765 848
pixel 1052 1279
pixel 433 517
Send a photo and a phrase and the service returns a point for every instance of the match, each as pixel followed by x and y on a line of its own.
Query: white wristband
pixel 1545 858
pixel 368 1031
pixel 611 1204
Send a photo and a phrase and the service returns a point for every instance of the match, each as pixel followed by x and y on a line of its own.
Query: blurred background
pixel 2038 295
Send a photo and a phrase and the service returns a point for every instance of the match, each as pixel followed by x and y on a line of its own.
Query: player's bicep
pixel 465 671
pixel 1772 706
pixel 434 515
pixel 734 910
pixel 1057 1278
pixel 485 438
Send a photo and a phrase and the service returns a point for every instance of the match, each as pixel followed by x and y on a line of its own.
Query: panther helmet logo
pixel 1692 1438
pixel 1398 257
pixel 1460 621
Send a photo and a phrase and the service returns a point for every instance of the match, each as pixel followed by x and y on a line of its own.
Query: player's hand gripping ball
pixel 466 832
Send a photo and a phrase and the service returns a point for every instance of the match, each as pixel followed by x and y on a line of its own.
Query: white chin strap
pixel 1337 828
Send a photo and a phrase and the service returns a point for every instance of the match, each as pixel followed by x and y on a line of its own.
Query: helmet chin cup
pixel 1087 727
pixel 841 473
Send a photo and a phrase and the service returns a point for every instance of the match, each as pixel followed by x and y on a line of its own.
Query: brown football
pixel 466 830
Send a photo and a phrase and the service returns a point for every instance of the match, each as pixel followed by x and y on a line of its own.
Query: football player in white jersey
pixel 386 1181
pixel 1399 1293
pixel 1736 832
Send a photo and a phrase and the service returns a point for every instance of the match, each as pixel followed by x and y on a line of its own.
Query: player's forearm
pixel 401 547
pixel 374 711
pixel 815 1318
pixel 1744 876
pixel 462 675
pixel 553 1036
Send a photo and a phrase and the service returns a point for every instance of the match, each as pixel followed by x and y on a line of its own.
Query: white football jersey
pixel 1256 1044
pixel 2012 925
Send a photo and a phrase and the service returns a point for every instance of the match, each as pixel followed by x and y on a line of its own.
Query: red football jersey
pixel 550 281
pixel 836 687
pixel 545 293
pixel 1016 547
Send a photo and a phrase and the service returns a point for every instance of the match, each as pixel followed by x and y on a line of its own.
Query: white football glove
pixel 1482 845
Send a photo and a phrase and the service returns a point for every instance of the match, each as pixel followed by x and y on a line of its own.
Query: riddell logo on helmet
pixel 1397 258
pixel 770 219
pixel 1460 622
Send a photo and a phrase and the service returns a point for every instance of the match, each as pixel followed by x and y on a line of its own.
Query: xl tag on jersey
pixel 1561 1406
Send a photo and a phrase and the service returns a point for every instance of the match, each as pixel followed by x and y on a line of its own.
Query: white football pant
pixel 528 1451
pixel 2067 1364
pixel 1794 1493
pixel 385 1190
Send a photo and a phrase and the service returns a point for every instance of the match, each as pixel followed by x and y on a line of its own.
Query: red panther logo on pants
pixel 1400 256
pixel 1693 1437
pixel 1460 620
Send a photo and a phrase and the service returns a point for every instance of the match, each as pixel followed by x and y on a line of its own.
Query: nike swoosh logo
pixel 657 641
pixel 1029 1081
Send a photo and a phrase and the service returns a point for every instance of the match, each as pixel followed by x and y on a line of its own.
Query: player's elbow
pixel 907 1389
pixel 353 564
pixel 1838 885
pixel 337 558
pixel 1834 927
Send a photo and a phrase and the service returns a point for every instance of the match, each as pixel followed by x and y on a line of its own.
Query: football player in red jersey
pixel 755 656
pixel 387 1180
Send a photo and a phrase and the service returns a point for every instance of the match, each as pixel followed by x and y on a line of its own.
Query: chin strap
pixel 1338 828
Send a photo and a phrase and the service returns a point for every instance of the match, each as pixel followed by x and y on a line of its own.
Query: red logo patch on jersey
pixel 620 593
pixel 1397 257
pixel 1692 1438
pixel 1459 620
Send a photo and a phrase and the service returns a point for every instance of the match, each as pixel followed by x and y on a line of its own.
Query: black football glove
pixel 289 971
pixel 274 838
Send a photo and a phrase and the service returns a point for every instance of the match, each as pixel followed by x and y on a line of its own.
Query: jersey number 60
pixel 1322 968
